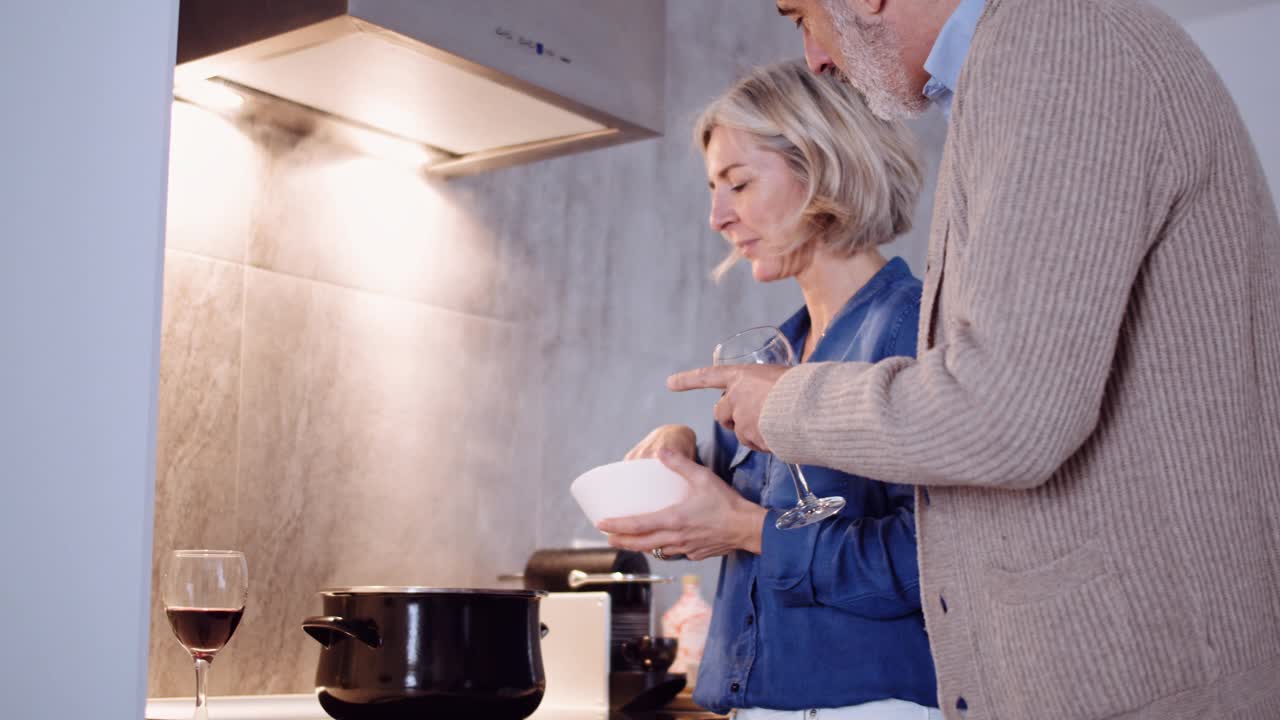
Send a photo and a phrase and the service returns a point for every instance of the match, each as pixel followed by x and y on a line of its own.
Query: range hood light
pixel 390 147
pixel 476 84
pixel 212 95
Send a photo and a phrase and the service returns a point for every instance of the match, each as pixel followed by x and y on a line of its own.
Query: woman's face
pixel 754 200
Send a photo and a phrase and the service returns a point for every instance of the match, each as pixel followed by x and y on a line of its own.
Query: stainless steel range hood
pixel 481 83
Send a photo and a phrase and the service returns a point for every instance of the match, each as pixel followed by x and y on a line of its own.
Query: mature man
pixel 1094 415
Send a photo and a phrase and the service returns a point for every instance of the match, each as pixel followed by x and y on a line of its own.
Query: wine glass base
pixel 809 513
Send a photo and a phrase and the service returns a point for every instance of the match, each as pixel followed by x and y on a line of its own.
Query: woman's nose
pixel 721 214
pixel 819 60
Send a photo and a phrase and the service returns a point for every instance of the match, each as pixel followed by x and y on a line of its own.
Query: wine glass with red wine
pixel 204 594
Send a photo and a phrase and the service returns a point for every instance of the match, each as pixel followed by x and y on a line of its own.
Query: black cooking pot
pixel 426 653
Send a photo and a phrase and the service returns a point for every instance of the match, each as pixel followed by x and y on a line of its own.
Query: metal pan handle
pixel 327 630
pixel 578 579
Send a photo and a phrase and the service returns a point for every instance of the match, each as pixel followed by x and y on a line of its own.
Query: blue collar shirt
pixel 828 615
pixel 949 53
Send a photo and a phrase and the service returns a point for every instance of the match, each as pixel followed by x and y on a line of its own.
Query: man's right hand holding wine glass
pixel 745 389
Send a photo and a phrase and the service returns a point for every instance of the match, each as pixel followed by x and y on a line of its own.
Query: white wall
pixel 1242 46
pixel 86 94
pixel 1189 10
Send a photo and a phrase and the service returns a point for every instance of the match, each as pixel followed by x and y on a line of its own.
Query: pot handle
pixel 327 630
pixel 578 579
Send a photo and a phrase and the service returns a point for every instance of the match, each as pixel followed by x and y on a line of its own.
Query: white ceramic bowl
pixel 630 487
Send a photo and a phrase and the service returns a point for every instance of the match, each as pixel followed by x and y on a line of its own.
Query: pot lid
pixel 378 590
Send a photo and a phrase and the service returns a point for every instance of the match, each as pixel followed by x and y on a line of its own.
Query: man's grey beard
pixel 870 60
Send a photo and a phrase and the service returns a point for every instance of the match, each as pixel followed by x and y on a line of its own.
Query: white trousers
pixel 879 710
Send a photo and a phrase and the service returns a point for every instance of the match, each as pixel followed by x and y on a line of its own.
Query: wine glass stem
pixel 803 492
pixel 202 700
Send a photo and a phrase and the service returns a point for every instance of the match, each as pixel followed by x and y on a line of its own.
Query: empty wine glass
pixel 204 594
pixel 768 346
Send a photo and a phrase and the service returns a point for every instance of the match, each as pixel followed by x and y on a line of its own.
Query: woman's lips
pixel 747 247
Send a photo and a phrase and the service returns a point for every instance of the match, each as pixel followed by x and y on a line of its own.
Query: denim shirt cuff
pixel 702 452
pixel 785 560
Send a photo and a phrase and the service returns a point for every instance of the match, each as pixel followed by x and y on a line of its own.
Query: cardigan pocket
pixel 1063 642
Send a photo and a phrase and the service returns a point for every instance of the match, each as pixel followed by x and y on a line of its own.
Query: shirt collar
pixel 949 52
pixel 796 328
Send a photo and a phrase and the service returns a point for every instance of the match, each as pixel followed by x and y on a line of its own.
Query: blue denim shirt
pixel 828 615
pixel 950 51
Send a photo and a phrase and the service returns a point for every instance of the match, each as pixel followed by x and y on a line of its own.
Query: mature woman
pixel 823 621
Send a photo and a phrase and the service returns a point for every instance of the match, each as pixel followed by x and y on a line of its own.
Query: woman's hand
pixel 713 520
pixel 679 439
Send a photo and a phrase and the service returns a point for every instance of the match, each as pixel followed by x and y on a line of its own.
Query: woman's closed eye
pixel 739 187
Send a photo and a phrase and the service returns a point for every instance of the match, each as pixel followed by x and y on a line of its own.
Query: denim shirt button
pixel 751 620
pixel 735 688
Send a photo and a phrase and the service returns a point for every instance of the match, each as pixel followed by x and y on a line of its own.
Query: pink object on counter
pixel 688 620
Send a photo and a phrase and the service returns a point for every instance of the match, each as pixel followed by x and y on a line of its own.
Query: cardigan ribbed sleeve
pixel 1058 144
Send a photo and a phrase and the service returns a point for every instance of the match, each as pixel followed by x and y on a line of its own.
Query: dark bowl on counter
pixel 651 654
pixel 405 653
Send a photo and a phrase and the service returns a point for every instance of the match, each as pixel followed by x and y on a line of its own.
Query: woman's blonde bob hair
pixel 863 174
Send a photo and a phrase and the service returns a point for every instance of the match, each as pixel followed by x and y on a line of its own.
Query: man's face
pixel 864 49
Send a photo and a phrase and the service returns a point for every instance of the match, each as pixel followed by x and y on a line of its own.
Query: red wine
pixel 203 631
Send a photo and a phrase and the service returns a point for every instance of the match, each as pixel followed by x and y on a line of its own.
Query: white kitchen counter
pixel 261 707
pixel 304 707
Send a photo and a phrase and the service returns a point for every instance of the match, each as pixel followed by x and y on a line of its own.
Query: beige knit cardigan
pixel 1094 415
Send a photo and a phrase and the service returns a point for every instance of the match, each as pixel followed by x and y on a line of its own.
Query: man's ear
pixel 865 7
